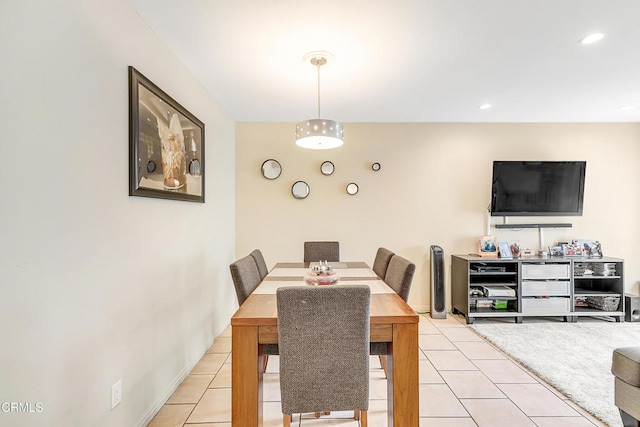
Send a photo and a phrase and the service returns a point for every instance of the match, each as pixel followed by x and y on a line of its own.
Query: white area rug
pixel 575 358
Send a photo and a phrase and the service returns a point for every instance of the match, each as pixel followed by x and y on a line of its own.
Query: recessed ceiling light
pixel 592 38
pixel 485 106
pixel 626 107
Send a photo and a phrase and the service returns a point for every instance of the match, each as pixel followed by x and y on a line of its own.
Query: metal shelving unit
pixel 544 286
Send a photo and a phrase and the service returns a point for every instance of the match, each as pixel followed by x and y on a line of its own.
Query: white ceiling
pixel 410 60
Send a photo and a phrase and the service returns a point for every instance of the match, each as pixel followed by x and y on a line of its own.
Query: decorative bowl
pixel 319 278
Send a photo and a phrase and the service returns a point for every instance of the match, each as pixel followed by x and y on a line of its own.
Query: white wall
pixel 98 286
pixel 433 188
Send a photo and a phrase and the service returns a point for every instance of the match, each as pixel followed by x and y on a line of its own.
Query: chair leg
pixel 317 414
pixel 286 420
pixel 356 415
pixel 363 419
pixel 265 360
pixel 383 362
pixel 628 420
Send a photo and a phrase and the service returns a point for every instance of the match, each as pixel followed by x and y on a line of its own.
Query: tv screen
pixel 521 188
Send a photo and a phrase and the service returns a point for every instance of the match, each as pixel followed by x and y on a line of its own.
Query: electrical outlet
pixel 116 394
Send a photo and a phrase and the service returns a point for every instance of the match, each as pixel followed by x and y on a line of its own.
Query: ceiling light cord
pixel 318 66
pixel 318 61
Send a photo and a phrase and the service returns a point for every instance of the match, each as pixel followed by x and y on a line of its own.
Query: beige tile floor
pixel 464 382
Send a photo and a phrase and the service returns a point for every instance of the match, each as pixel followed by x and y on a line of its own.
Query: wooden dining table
pixel 256 323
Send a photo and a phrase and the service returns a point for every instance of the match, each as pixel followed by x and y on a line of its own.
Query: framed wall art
pixel 166 144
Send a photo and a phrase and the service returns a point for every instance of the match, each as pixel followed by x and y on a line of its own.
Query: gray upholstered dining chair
pixel 398 277
pixel 321 251
pixel 381 262
pixel 256 254
pixel 323 336
pixel 246 278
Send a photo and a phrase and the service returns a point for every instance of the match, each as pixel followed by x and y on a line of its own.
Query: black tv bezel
pixel 579 211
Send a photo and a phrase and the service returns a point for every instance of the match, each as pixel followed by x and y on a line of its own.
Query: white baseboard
pixel 153 411
pixel 421 310
pixel 427 310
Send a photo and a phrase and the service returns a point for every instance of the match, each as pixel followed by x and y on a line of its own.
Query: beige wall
pixel 98 286
pixel 433 188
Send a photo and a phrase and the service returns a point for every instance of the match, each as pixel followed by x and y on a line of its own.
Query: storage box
pixel 603 303
pixel 548 306
pixel 500 304
pixel 545 288
pixel 546 271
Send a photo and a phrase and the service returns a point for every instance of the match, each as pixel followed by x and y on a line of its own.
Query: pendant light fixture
pixel 319 134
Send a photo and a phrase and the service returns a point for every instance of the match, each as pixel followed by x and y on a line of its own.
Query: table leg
pixel 402 377
pixel 246 377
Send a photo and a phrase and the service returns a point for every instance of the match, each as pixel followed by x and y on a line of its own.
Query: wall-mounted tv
pixel 525 188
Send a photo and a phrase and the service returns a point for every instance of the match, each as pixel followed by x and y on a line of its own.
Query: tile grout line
pixel 580 412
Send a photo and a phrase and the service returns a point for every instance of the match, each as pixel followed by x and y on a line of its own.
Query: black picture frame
pixel 166 144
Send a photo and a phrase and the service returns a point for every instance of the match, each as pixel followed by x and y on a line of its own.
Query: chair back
pixel 323 337
pixel 321 251
pixel 399 275
pixel 380 264
pixel 262 266
pixel 246 277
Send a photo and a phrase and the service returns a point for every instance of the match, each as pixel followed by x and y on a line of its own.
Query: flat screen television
pixel 524 188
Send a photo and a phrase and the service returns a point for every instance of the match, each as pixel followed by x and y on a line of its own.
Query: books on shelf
pixel 607 269
pixel 500 304
pixel 604 268
pixel 486 303
pixel 495 304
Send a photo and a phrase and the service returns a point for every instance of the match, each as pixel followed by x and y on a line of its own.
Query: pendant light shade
pixel 319 134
